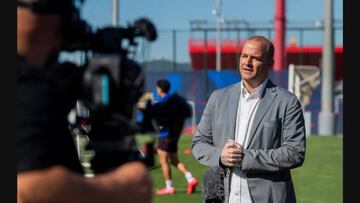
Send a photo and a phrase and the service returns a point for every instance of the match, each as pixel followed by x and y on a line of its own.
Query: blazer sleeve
pixel 290 154
pixel 203 147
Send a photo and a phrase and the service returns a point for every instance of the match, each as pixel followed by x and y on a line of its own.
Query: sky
pixel 177 14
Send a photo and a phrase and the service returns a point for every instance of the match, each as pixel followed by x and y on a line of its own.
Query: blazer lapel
pixel 264 105
pixel 232 108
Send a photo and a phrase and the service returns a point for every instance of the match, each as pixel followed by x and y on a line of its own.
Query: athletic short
pixel 168 145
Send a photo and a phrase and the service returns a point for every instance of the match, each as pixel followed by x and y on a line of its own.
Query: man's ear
pixel 271 62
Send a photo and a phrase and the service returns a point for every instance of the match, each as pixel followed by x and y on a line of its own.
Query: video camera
pixel 112 83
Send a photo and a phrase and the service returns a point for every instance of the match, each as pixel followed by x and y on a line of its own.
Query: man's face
pixel 254 66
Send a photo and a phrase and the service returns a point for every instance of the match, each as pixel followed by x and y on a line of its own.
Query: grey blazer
pixel 276 141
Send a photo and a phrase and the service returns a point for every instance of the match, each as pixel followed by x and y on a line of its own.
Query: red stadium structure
pixel 203 55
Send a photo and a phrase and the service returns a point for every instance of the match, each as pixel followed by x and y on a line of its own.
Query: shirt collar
pixel 256 92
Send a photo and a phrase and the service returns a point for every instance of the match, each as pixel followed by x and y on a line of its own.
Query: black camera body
pixel 112 84
pixel 111 87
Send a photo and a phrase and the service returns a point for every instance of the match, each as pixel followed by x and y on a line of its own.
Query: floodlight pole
pixel 327 116
pixel 218 34
pixel 115 12
pixel 280 35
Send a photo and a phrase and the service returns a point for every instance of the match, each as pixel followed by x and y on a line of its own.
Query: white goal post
pixel 302 81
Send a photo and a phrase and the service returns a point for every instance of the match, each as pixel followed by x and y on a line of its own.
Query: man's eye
pixel 256 58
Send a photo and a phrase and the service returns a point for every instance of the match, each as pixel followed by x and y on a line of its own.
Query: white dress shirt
pixel 248 103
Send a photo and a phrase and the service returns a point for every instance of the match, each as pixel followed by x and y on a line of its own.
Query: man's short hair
pixel 164 85
pixel 269 51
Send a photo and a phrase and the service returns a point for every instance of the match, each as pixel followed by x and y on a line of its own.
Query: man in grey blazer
pixel 254 130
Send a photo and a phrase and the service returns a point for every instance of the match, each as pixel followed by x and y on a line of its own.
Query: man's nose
pixel 248 60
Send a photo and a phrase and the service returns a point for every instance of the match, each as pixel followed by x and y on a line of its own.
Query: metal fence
pixel 172 44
